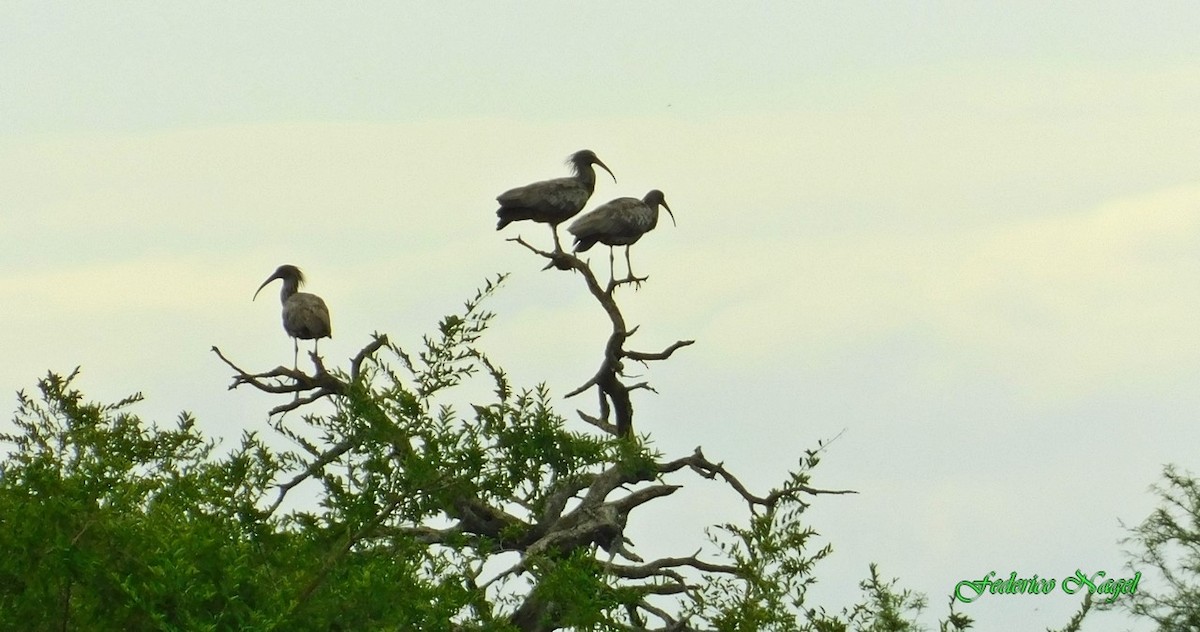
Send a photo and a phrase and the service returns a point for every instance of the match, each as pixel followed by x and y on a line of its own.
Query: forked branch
pixel 322 383
pixel 702 466
pixel 614 393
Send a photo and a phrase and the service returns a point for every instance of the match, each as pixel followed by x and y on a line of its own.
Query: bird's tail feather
pixel 510 215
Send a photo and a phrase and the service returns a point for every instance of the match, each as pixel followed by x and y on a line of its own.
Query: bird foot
pixel 636 281
pixel 559 259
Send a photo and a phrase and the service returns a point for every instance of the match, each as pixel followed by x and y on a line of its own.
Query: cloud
pixel 775 260
pixel 1060 305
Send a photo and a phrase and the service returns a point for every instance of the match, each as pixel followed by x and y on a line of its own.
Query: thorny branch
pixel 702 466
pixel 613 392
pixel 665 565
pixel 284 380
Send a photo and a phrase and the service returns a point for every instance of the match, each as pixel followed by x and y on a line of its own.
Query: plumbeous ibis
pixel 620 222
pixel 304 315
pixel 552 201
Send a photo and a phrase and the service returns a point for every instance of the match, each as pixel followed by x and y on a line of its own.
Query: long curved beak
pixel 264 284
pixel 670 213
pixel 605 167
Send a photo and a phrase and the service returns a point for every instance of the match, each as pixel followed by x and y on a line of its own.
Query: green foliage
pixel 582 599
pixel 886 608
pixel 773 571
pixel 1168 541
pixel 109 523
pixel 1075 624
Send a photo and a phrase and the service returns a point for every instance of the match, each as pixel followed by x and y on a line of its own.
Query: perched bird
pixel 552 201
pixel 620 222
pixel 304 315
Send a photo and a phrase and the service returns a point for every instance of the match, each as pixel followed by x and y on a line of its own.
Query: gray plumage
pixel 552 201
pixel 620 222
pixel 304 315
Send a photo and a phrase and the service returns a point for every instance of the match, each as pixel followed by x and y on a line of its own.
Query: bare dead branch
pixel 322 384
pixel 477 517
pixel 671 623
pixel 590 383
pixel 618 394
pixel 619 548
pixel 282 380
pixel 708 469
pixel 556 501
pixel 580 528
pixel 255 379
pixel 379 341
pixel 657 566
pixel 644 495
pixel 606 378
pixel 557 259
pixel 662 355
pixel 301 401
pixel 515 569
pixel 610 479
pixel 597 422
pixel 665 589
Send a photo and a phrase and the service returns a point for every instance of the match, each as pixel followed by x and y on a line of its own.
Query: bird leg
pixel 296 364
pixel 612 276
pixel 637 281
pixel 557 244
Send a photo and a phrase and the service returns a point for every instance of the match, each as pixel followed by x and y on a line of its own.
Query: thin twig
pixel 708 469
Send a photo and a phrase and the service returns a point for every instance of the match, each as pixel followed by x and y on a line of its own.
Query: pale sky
pixel 968 237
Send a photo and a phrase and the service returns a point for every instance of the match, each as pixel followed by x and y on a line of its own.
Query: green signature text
pixel 968 590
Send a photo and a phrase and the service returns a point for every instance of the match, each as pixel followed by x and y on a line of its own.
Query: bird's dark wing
pixel 560 194
pixel 614 217
pixel 633 216
pixel 306 316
